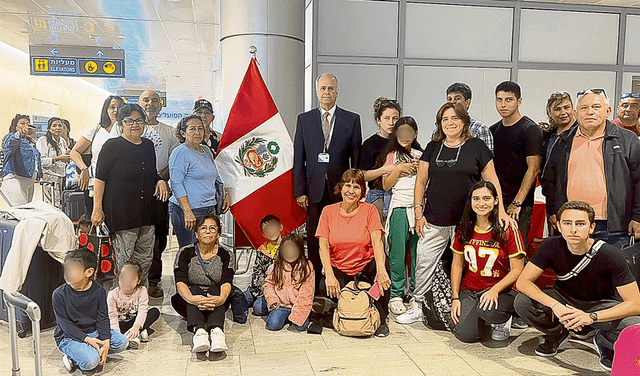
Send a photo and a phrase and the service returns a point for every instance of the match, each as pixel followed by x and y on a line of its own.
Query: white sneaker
pixel 218 342
pixel 200 341
pixel 396 306
pixel 144 336
pixel 501 332
pixel 134 343
pixel 413 314
pixel 69 364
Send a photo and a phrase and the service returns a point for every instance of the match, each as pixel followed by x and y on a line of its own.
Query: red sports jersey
pixel 488 263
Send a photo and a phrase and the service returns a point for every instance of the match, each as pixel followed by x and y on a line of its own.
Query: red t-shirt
pixel 632 129
pixel 349 237
pixel 486 261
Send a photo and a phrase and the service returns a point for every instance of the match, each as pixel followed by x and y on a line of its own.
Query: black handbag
pixel 631 253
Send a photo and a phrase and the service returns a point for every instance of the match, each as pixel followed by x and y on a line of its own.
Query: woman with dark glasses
pixel 451 163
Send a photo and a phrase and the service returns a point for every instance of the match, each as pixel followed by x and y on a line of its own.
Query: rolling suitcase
pixel 73 204
pixel 44 275
pixel 16 301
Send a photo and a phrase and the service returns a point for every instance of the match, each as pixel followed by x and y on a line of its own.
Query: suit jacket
pixel 309 176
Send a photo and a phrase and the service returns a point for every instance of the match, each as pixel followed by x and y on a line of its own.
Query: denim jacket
pixel 20 156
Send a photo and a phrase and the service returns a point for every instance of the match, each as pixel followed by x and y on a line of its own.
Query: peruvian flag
pixel 255 160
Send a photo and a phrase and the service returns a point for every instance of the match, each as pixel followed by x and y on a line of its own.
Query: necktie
pixel 325 124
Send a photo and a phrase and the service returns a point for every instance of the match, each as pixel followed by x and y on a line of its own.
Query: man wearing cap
pixel 204 109
pixel 629 112
pixel 150 102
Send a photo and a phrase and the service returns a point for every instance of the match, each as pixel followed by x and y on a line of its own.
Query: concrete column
pixel 276 28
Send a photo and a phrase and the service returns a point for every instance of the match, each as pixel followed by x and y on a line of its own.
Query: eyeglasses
pixel 450 162
pixel 592 91
pixel 208 228
pixel 138 121
pixel 630 95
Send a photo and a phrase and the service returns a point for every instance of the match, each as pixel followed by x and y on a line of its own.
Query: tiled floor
pixel 409 350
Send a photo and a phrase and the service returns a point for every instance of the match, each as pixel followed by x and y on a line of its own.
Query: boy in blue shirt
pixel 82 329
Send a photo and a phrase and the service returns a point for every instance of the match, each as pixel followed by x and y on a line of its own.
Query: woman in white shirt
pixel 94 138
pixel 55 156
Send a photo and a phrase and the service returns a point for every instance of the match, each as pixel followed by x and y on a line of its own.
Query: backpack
pixel 356 314
pixel 436 305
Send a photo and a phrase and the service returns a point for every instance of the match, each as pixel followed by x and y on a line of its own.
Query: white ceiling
pixel 172 45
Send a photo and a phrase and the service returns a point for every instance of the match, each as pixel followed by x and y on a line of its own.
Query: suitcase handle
pixel 15 300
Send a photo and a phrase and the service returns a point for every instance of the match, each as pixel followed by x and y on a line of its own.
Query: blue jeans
pixel 259 305
pixel 186 237
pixel 278 318
pixel 618 240
pixel 85 355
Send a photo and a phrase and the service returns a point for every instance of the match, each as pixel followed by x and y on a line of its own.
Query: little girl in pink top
pixel 289 286
pixel 128 304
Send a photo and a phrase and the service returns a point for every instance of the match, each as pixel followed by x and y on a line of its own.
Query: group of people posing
pixel 472 189
pixel 382 211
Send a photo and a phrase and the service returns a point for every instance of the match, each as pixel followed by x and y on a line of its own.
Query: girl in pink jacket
pixel 289 286
pixel 129 311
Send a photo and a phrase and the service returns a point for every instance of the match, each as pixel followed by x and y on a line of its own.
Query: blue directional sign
pixel 76 61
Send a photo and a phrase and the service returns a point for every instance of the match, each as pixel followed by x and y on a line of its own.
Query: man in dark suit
pixel 327 143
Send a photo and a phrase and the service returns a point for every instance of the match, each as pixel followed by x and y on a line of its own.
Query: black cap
pixel 202 103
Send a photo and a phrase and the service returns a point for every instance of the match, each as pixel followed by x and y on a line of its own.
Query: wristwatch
pixel 516 203
pixel 594 316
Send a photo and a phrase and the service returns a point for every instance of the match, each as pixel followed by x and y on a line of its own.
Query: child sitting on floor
pixel 82 325
pixel 128 303
pixel 272 230
pixel 289 287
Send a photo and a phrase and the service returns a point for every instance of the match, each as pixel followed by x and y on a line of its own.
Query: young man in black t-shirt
pixel 518 151
pixel 603 295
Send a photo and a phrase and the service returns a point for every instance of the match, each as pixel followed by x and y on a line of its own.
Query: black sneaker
pixel 550 343
pixel 584 334
pixel 383 331
pixel 606 355
pixel 155 291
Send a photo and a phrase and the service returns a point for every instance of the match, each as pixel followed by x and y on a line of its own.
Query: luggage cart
pixel 16 300
pixel 234 238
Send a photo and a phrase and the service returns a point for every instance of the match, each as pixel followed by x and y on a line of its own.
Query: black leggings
pixel 199 319
pixel 152 316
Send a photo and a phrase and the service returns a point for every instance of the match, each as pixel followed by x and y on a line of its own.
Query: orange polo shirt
pixel 585 178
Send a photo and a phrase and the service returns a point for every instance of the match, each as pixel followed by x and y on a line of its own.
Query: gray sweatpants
pixel 429 251
pixel 135 244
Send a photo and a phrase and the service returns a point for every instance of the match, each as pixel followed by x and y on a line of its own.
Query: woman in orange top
pixel 350 235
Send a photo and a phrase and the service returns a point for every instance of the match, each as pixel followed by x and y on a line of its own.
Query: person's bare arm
pixel 526 285
pixel 528 182
pixel 378 253
pixel 97 217
pixel 332 284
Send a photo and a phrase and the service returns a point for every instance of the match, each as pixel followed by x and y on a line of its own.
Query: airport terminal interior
pixel 63 58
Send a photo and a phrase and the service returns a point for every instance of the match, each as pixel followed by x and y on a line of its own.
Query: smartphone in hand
pixel 375 291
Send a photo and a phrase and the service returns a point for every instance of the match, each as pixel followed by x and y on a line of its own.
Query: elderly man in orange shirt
pixel 598 163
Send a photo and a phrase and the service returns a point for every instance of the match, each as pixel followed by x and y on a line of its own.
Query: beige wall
pixel 20 93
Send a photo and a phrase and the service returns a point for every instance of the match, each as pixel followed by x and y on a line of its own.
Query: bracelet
pixel 418 206
pixel 419 218
pixel 516 203
pixel 455 299
pixel 554 305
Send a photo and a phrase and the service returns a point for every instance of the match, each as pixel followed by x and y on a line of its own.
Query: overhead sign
pixel 49 60
pixel 132 96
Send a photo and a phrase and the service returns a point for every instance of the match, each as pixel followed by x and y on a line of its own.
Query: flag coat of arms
pixel 255 160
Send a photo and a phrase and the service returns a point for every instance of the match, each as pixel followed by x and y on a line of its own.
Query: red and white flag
pixel 255 160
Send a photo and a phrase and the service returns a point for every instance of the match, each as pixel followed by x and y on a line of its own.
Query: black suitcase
pixel 73 204
pixel 45 275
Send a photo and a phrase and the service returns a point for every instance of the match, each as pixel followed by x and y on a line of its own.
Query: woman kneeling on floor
pixel 203 280
pixel 494 258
